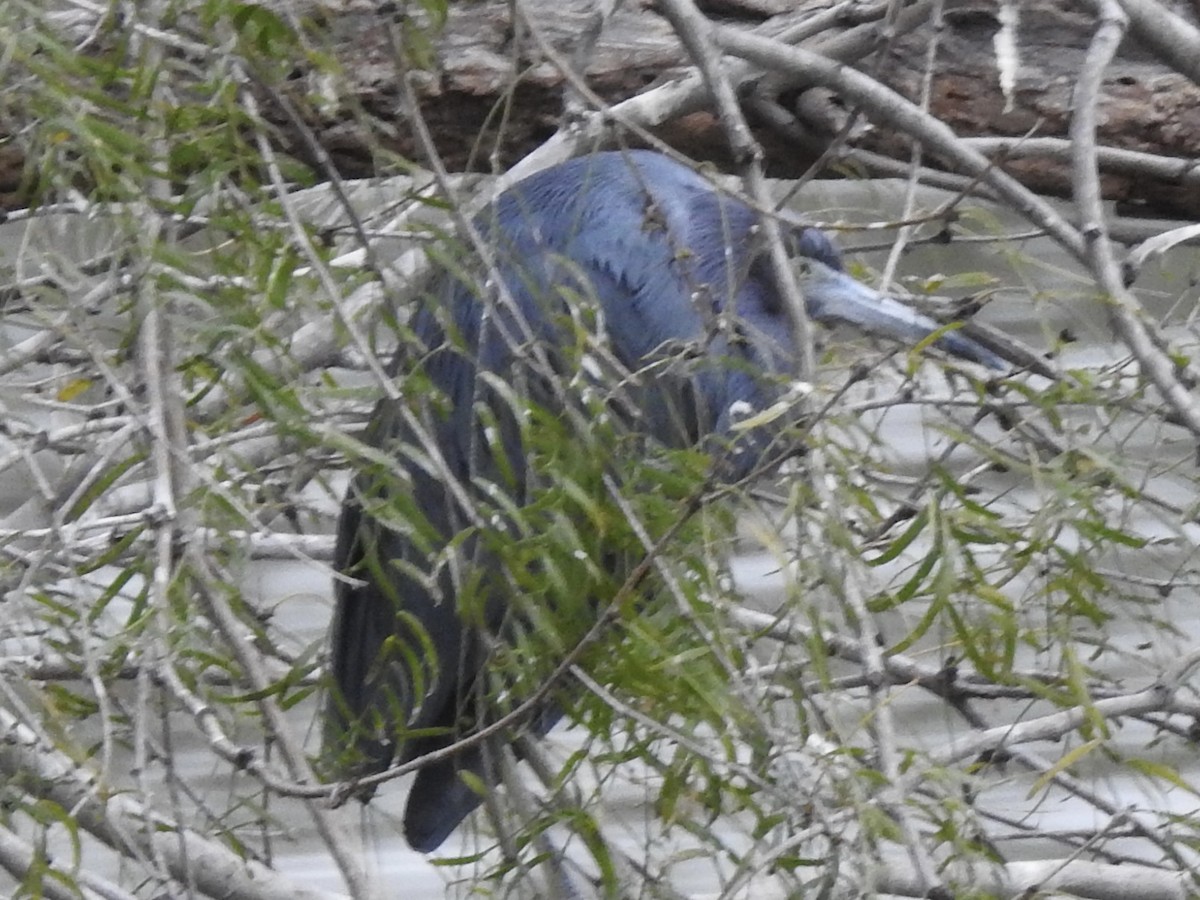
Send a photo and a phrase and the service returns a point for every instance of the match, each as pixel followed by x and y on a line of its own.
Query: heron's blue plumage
pixel 675 271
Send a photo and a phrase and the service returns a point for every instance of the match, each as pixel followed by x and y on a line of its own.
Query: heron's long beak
pixel 832 296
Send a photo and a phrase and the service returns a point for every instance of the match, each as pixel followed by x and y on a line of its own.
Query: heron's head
pixel 833 297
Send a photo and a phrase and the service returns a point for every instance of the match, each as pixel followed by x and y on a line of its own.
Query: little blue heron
pixel 673 269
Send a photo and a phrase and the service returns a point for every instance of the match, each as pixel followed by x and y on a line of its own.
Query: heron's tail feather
pixel 440 799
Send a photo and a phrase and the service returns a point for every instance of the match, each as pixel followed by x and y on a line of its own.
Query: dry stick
pixel 692 30
pixel 102 11
pixel 168 444
pixel 690 93
pixel 1125 309
pixel 891 108
pixel 304 548
pixel 1007 738
pixel 521 344
pixel 697 34
pixel 849 46
pixel 1183 171
pixel 228 625
pixel 18 857
pixel 817 21
pixel 122 823
pixel 315 342
pixel 1156 246
pixel 1049 878
pixel 904 234
pixel 241 757
pixel 784 121
pixel 1176 39
pixel 63 440
pixel 250 662
pixel 337 185
pixel 167 433
pixel 1071 838
pixel 858 42
pixel 1151 831
pixel 663 730
pixel 903 669
pixel 574 103
pixel 1052 727
pixel 169 453
pixel 1012 739
pixel 29 350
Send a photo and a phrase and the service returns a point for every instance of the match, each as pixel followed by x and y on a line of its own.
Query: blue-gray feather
pixel 668 261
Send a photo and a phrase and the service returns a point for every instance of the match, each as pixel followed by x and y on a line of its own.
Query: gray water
pixel 1042 294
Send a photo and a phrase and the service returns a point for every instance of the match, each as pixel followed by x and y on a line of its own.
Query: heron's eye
pixel 804 267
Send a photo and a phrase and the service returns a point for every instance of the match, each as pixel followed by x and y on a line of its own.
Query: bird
pixel 673 276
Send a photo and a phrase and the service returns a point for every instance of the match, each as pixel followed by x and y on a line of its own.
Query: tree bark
pixel 485 64
pixel 491 91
